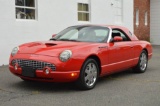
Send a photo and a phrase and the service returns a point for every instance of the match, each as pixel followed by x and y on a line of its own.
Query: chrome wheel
pixel 143 61
pixel 90 74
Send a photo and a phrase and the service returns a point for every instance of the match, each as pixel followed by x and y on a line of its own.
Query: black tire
pixel 142 63
pixel 89 75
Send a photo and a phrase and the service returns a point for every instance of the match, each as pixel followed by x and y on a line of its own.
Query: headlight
pixel 65 55
pixel 14 51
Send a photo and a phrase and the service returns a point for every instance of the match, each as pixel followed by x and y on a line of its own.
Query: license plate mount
pixel 28 72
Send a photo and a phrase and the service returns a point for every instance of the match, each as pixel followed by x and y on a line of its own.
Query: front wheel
pixel 142 63
pixel 88 75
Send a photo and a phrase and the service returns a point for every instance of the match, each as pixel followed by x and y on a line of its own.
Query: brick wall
pixel 142 31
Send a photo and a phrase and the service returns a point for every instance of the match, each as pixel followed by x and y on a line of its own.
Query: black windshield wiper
pixel 68 40
pixel 53 39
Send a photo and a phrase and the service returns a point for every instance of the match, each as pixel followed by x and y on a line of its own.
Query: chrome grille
pixel 39 65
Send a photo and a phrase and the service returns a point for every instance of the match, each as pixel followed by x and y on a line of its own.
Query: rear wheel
pixel 88 75
pixel 142 63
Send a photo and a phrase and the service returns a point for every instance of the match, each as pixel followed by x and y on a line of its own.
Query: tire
pixel 142 63
pixel 89 75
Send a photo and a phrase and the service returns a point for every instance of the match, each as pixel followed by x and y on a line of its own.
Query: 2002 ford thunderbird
pixel 82 54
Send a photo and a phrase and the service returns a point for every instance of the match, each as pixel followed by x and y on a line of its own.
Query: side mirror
pixel 53 35
pixel 117 39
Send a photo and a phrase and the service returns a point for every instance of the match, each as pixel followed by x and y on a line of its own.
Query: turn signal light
pixel 73 74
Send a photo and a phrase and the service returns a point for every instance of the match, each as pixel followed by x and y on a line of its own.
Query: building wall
pixel 53 16
pixel 142 31
pixel 155 22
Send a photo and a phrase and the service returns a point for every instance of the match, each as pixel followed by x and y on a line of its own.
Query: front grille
pixel 38 65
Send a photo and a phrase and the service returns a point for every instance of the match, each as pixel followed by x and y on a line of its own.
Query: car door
pixel 120 53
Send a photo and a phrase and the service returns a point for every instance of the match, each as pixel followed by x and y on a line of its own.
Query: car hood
pixel 49 48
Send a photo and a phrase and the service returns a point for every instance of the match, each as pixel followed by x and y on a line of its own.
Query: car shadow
pixel 116 76
pixel 62 87
pixel 44 86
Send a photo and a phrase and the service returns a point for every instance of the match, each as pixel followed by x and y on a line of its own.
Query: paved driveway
pixel 121 89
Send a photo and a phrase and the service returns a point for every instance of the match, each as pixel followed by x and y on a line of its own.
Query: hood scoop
pixel 50 44
pixel 34 44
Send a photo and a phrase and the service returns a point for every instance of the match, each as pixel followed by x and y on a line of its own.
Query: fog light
pixel 16 67
pixel 47 71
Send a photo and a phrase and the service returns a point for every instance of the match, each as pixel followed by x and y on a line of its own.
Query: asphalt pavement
pixel 120 89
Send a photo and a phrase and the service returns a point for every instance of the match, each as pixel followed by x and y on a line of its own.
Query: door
pixel 120 53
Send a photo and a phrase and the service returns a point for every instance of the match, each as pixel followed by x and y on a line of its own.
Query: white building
pixel 24 21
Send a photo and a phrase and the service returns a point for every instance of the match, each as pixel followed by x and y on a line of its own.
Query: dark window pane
pixel 30 14
pixel 22 13
pixel 85 7
pixel 80 6
pixel 85 16
pixel 80 16
pixel 29 3
pixel 19 2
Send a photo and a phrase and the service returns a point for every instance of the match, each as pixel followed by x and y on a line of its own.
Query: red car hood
pixel 49 48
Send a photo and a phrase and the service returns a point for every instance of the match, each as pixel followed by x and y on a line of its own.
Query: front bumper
pixel 64 71
pixel 53 76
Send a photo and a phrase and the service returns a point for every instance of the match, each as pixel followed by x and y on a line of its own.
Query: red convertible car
pixel 81 54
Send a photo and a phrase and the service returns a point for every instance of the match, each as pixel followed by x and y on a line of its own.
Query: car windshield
pixel 83 34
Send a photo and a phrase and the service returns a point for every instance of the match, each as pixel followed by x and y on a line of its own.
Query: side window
pixel 120 33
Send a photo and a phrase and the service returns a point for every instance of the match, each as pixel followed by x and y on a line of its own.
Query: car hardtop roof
pixel 108 26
